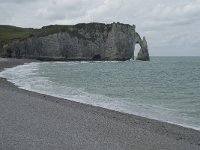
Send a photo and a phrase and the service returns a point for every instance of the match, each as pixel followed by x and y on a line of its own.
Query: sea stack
pixel 91 41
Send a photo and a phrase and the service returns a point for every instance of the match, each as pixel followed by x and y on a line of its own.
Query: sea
pixel 166 88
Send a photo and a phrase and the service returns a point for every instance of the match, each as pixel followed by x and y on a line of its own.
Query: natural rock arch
pixel 143 53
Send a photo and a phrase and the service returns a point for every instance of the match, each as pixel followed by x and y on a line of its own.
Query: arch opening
pixel 136 51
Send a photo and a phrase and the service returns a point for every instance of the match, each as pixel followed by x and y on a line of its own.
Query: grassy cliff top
pixel 10 33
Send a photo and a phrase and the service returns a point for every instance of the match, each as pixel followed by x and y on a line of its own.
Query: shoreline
pixel 121 130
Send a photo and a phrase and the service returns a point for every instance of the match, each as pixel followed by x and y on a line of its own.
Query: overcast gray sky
pixel 172 27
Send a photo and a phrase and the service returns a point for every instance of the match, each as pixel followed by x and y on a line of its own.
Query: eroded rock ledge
pixel 92 41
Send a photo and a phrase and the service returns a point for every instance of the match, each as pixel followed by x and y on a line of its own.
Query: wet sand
pixel 29 120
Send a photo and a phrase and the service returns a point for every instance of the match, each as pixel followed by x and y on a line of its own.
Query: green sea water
pixel 165 88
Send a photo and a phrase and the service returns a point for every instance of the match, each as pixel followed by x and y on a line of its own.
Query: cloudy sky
pixel 172 27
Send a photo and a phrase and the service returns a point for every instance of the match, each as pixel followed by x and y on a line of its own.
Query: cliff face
pixel 92 41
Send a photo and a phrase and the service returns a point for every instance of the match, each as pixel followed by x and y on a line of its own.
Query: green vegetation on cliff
pixel 11 33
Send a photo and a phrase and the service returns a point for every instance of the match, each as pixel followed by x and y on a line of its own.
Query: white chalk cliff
pixel 92 41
